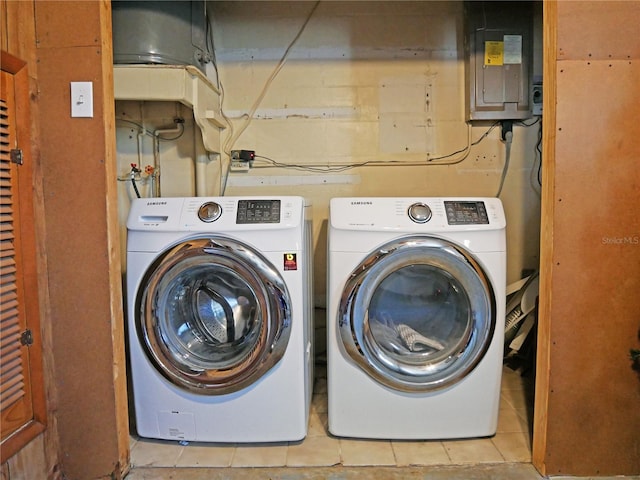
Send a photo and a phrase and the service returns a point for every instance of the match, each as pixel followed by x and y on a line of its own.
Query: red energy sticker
pixel 290 261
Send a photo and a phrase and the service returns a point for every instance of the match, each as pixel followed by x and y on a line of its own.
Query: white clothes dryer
pixel 219 318
pixel 415 321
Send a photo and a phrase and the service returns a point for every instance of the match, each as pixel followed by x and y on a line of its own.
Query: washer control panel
pixel 217 214
pixel 258 211
pixel 466 212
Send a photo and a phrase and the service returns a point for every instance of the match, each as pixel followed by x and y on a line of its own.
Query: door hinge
pixel 26 338
pixel 16 156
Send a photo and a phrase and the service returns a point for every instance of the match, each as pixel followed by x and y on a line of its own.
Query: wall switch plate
pixel 82 99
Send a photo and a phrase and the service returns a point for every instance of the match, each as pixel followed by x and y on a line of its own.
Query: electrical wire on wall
pixel 248 117
pixel 536 183
pixel 266 162
pixel 233 135
pixel 507 138
pixel 262 161
pixel 210 44
pixel 211 49
pixel 336 168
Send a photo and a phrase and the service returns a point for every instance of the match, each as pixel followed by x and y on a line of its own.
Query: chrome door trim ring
pixel 353 321
pixel 271 293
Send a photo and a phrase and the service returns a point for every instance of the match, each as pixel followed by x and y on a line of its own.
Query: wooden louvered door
pixel 21 382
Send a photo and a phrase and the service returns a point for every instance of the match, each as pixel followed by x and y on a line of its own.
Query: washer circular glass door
pixel 213 315
pixel 417 314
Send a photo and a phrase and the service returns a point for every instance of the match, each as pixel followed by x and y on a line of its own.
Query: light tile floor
pixel 511 444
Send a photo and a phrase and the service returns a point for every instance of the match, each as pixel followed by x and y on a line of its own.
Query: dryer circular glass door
pixel 417 314
pixel 213 315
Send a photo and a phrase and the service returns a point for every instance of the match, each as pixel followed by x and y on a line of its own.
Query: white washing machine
pixel 219 318
pixel 415 321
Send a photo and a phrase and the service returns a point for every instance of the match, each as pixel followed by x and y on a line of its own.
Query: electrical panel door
pixel 498 67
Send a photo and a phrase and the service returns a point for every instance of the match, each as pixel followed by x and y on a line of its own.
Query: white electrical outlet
pixel 239 166
pixel 82 99
pixel 536 97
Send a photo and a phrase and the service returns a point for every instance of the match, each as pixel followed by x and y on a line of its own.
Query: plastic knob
pixel 419 213
pixel 209 212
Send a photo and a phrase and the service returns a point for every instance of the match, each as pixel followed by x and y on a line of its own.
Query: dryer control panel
pixel 417 214
pixel 466 213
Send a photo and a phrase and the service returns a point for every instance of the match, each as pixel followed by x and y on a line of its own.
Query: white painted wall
pixel 365 82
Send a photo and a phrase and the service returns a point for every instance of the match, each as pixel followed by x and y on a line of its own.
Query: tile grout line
pixel 504 459
pixel 446 450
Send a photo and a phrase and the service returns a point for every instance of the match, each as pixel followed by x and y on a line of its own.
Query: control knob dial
pixel 209 212
pixel 419 213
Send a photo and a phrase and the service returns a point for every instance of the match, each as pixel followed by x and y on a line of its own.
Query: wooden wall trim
pixel 113 241
pixel 74 44
pixel 586 418
pixel 550 47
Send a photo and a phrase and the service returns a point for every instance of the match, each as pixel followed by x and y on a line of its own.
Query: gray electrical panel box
pixel 499 59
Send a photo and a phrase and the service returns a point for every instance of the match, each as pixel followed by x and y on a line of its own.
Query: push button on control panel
pixel 419 213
